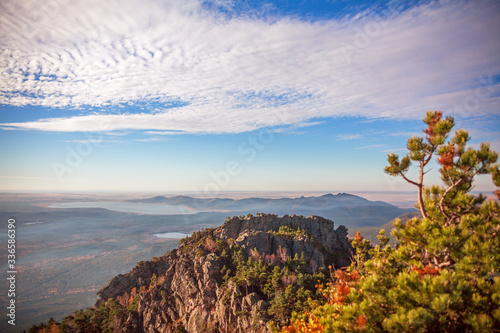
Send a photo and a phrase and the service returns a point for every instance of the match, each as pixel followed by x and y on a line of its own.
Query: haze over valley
pixel 70 247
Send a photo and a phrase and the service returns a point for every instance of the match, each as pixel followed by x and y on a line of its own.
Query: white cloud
pixel 370 146
pixel 151 140
pixel 343 137
pixel 241 74
pixel 394 150
pixel 164 133
pixel 95 142
pixel 406 134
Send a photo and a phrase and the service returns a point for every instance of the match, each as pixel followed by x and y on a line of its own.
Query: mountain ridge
pixel 344 208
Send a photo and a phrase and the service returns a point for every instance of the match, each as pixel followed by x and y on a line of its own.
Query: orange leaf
pixel 362 321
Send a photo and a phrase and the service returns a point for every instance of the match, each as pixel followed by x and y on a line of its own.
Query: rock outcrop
pixel 253 232
pixel 200 287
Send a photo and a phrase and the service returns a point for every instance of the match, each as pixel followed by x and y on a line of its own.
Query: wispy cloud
pixel 293 128
pixel 96 142
pixel 210 74
pixel 151 139
pixel 164 132
pixel 394 150
pixel 370 146
pixel 343 137
pixel 407 134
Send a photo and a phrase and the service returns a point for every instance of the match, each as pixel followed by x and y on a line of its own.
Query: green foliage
pixel 134 305
pixel 443 275
pixel 289 288
pixel 286 285
pixel 291 232
pixel 188 244
pixel 49 327
pixel 421 150
pixel 107 318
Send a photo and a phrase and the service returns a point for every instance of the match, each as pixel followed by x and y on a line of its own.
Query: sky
pixel 214 96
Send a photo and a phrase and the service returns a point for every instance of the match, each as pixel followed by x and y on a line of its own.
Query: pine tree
pixel 444 273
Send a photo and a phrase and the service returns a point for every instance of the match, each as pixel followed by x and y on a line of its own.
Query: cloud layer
pixel 200 72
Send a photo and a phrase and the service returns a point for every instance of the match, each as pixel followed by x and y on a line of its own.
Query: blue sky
pixel 211 96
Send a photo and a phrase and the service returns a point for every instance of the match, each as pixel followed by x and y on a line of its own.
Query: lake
pixel 132 207
pixel 175 235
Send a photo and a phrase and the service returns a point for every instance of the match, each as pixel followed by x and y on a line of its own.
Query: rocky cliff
pixel 240 277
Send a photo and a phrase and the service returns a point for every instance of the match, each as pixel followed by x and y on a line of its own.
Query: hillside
pixel 216 280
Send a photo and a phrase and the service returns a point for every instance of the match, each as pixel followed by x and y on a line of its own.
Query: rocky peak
pixel 316 225
pixel 263 233
pixel 230 279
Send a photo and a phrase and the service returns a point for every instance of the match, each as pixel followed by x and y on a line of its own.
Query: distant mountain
pixel 343 208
